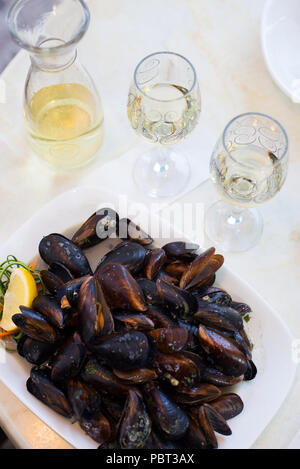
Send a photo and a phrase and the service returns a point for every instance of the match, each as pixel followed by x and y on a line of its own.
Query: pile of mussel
pixel 140 351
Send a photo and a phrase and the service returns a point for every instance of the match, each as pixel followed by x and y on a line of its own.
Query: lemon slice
pixel 21 292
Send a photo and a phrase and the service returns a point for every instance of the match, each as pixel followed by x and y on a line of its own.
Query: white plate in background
pixel 272 341
pixel 280 35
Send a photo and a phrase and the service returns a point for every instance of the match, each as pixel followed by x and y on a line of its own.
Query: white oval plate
pixel 272 351
pixel 280 35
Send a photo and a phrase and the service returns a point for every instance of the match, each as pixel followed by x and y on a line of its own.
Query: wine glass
pixel 248 167
pixel 164 105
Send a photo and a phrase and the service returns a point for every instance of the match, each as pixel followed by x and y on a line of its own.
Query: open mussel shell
pixel 49 307
pixel 100 225
pixel 228 405
pixel 125 350
pixel 176 268
pixel 155 259
pixel 136 376
pixel 167 278
pixel 131 255
pixel 43 389
pixel 95 317
pixel 225 356
pixel 242 308
pixel 149 290
pixel 175 368
pixel 201 269
pixel 68 294
pixel 34 351
pixel 51 281
pixel 170 339
pixel 179 250
pixel 216 316
pixel 103 379
pixel 131 231
pixel 176 301
pixel 135 424
pixel 68 360
pixel 166 414
pixel 119 287
pixel 196 394
pixel 96 426
pixel 135 321
pixel 35 325
pixel 58 248
pixel 83 398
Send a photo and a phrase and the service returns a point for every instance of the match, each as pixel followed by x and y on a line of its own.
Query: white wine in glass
pixel 163 106
pixel 248 168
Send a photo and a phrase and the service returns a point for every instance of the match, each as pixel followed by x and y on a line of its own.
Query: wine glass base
pixel 233 229
pixel 161 172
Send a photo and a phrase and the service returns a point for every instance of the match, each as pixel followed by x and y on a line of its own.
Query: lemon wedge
pixel 21 291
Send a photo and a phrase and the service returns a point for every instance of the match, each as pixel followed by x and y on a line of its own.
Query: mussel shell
pixel 176 268
pixel 167 415
pixel 96 426
pixel 135 321
pixel 83 398
pixel 35 325
pixel 155 259
pixel 167 278
pixel 68 360
pixel 103 379
pixel 228 405
pixel 193 273
pixel 222 352
pixel 170 339
pixel 150 292
pixel 135 424
pixel 98 227
pixel 51 281
pixel 194 437
pixel 158 317
pixel 242 308
pixel 112 407
pixel 217 378
pixel 197 394
pixel 131 255
pixel 222 317
pixel 119 287
pixel 43 389
pixel 177 367
pixel 95 318
pixel 58 269
pixel 131 231
pixel 207 428
pixel 34 351
pixel 125 350
pixel 49 307
pixel 217 420
pixel 136 376
pixel 251 371
pixel 179 250
pixel 213 295
pixel 176 301
pixel 57 248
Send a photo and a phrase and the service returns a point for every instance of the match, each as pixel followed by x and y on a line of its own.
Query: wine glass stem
pixel 236 216
pixel 162 164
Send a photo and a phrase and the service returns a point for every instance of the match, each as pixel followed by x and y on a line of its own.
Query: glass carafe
pixel 62 108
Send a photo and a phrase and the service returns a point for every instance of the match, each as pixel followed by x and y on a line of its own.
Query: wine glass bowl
pixel 164 105
pixel 248 167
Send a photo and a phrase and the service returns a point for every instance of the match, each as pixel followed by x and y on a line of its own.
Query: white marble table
pixel 223 40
